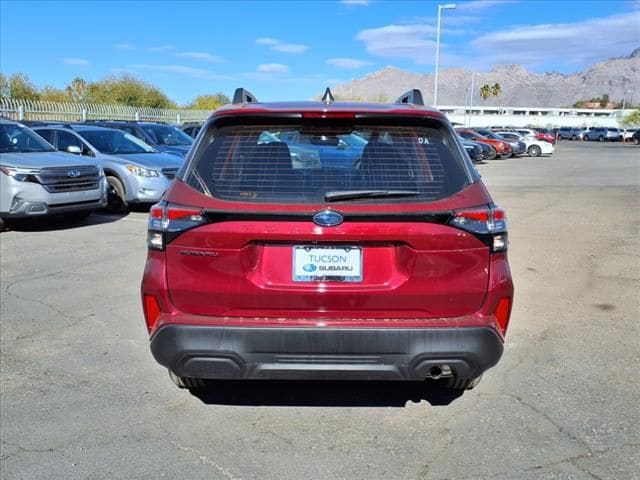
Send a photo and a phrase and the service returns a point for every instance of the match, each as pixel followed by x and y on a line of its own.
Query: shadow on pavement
pixel 68 221
pixel 324 393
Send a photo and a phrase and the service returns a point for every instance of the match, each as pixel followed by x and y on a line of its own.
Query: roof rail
pixel 112 120
pixel 243 96
pixel 46 123
pixel 412 96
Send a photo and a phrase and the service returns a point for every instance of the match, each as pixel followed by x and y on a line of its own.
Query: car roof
pixel 124 122
pixel 77 128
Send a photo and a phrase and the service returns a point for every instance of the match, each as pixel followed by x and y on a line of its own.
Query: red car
pixel 502 149
pixel 390 267
pixel 545 134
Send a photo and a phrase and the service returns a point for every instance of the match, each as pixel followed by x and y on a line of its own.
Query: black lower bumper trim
pixel 324 354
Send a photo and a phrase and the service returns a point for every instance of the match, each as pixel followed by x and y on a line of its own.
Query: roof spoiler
pixel 412 96
pixel 243 96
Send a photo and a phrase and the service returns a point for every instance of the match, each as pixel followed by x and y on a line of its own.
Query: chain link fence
pixel 78 112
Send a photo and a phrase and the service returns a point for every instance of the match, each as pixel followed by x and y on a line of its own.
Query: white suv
pixel 35 180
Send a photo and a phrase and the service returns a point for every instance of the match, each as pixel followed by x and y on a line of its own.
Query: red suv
pixel 327 240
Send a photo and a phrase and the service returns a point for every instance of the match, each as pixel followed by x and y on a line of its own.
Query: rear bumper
pixel 324 354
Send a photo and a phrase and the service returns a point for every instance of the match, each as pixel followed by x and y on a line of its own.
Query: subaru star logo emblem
pixel 328 218
pixel 309 267
pixel 73 173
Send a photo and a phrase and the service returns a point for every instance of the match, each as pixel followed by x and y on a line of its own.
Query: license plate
pixel 339 264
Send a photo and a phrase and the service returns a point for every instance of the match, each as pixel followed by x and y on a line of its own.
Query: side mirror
pixel 76 150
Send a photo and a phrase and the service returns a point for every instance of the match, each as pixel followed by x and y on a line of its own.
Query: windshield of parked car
pixel 115 142
pixel 313 163
pixel 18 139
pixel 167 135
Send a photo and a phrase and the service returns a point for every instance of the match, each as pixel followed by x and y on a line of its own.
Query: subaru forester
pixel 389 266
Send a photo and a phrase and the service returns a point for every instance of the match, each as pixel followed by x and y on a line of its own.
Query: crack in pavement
pixel 206 461
pixel 570 460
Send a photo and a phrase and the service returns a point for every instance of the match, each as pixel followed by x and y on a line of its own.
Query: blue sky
pixel 292 49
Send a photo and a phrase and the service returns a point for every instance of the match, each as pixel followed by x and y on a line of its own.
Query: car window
pixel 66 139
pixel 467 135
pixel 16 138
pixel 266 164
pixel 112 141
pixel 167 135
pixel 46 134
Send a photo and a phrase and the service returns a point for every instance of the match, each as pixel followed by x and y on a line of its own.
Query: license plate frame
pixel 313 263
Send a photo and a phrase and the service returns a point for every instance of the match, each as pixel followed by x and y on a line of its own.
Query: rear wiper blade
pixel 356 194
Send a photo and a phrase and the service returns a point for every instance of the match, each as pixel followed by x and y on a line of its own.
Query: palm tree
pixel 496 89
pixel 485 92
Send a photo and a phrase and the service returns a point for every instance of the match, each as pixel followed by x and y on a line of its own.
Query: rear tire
pixel 601 138
pixel 463 383
pixel 534 151
pixel 116 195
pixel 186 382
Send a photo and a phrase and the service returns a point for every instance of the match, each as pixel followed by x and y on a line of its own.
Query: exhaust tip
pixel 439 371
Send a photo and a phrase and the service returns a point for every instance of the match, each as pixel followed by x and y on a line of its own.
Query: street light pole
pixel 624 98
pixel 447 6
pixel 466 104
pixel 473 77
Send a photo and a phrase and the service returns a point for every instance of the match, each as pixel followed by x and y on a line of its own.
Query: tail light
pixel 167 221
pixel 488 223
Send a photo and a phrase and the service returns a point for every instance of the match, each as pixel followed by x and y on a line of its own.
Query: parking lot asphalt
pixel 82 398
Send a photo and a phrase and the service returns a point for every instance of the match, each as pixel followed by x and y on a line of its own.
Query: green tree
pixel 631 120
pixel 78 90
pixel 208 102
pixel 127 90
pixel 21 88
pixel 604 101
pixel 4 86
pixel 485 91
pixel 52 94
pixel 496 89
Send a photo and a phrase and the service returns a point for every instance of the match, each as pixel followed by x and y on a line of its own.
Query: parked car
pixel 517 147
pixel 191 129
pixel 164 138
pixel 337 151
pixel 473 149
pixel 502 148
pixel 569 133
pixel 534 147
pixel 627 134
pixel 35 180
pixel 545 134
pixel 136 173
pixel 394 268
pixel 635 138
pixel 526 132
pixel 488 152
pixel 604 134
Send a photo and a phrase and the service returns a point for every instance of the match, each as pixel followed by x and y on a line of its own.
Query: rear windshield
pixel 313 163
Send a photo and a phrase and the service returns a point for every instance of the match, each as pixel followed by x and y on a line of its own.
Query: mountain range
pixel 519 87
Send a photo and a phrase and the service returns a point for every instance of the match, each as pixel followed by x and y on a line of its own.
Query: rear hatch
pixel 257 235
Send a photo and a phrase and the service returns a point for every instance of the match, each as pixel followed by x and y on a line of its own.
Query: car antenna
pixel 328 96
